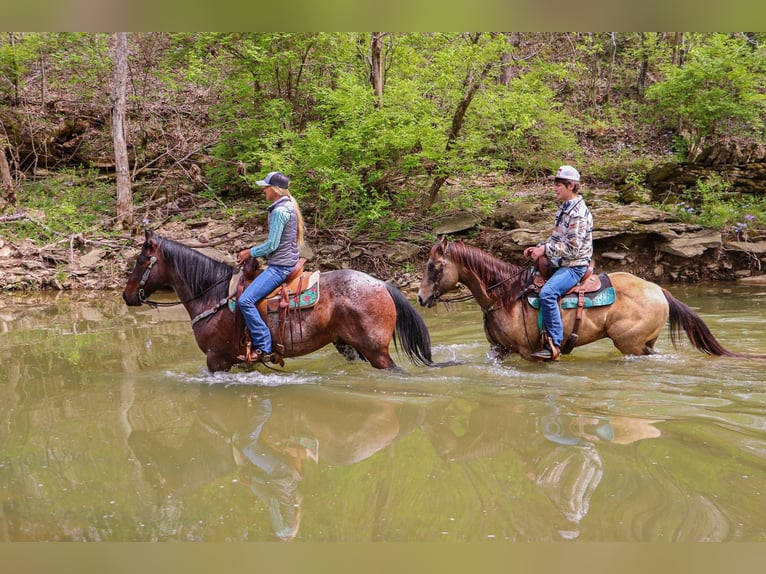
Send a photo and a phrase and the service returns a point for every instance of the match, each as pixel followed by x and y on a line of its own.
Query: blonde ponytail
pixel 286 192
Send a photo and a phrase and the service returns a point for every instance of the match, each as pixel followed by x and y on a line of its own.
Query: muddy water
pixel 111 429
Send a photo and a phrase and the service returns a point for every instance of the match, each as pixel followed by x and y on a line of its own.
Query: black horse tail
pixel 411 332
pixel 683 317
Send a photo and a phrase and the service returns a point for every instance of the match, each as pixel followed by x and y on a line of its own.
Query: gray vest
pixel 287 253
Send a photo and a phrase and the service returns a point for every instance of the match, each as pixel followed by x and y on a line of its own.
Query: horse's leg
pixel 630 344
pixel 217 362
pixel 636 335
pixel 348 351
pixel 383 361
pixel 373 346
pixel 371 336
pixel 636 319
pixel 374 351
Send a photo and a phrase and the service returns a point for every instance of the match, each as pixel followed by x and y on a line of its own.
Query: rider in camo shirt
pixel 569 250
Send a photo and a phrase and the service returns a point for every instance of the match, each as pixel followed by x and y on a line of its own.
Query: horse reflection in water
pixel 558 449
pixel 265 439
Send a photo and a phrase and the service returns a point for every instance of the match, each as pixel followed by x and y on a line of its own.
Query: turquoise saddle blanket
pixel 599 299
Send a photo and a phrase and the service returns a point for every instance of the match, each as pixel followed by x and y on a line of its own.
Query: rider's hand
pixel 534 252
pixel 243 256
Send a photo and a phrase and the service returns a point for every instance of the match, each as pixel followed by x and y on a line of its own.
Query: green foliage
pixel 17 55
pixel 69 204
pixel 303 103
pixel 718 90
pixel 530 130
pixel 360 158
pixel 713 204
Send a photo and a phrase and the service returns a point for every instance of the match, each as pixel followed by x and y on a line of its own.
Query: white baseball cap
pixel 568 172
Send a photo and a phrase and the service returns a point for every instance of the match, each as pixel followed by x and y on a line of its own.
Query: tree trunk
pixel 5 175
pixel 472 83
pixel 507 65
pixel 678 49
pixel 14 70
pixel 43 78
pixel 612 58
pixel 644 68
pixel 124 217
pixel 376 73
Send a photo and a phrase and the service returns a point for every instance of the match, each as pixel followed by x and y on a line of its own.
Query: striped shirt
pixel 571 243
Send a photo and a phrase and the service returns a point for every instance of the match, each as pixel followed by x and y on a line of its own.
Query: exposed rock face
pixel 635 238
pixel 743 167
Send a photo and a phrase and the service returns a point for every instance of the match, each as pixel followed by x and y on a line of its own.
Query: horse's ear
pixel 443 241
pixel 150 240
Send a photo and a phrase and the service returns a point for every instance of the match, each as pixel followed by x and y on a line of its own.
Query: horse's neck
pixel 489 284
pixel 194 303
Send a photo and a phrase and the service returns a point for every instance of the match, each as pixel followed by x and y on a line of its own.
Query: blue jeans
pixel 562 281
pixel 268 280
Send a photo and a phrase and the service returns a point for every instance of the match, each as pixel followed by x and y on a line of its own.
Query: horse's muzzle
pixel 131 300
pixel 427 302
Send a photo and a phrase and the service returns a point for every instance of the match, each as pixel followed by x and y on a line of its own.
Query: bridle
pixel 486 311
pixel 155 304
pixel 437 279
pixel 438 276
pixel 141 293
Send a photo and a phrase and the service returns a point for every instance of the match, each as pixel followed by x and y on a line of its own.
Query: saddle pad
pixel 600 299
pixel 307 297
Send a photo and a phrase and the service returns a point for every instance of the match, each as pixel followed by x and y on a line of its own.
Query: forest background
pixel 382 133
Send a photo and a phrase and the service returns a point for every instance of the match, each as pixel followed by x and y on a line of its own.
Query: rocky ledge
pixel 639 239
pixel 636 238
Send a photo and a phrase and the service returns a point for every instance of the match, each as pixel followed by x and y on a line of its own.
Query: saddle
pixel 593 290
pixel 300 290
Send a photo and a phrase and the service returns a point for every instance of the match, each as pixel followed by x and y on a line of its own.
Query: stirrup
pixel 255 355
pixel 550 351
pixel 548 354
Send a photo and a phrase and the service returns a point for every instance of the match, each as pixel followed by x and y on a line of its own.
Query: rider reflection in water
pixel 281 250
pixel 273 477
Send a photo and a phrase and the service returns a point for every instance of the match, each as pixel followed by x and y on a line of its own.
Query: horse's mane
pixel 503 281
pixel 200 272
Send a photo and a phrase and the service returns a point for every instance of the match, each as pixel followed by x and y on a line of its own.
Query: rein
pixel 460 299
pixel 470 296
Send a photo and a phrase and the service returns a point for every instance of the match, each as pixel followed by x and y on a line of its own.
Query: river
pixel 111 429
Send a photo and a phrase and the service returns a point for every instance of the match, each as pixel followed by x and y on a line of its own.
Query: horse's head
pixel 440 276
pixel 147 275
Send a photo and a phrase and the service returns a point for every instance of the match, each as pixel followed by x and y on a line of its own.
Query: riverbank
pixel 636 238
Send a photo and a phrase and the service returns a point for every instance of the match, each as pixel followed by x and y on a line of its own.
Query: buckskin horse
pixel 632 318
pixel 352 310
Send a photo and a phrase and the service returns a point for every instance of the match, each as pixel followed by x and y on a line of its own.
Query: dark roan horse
pixel 354 310
pixel 633 321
